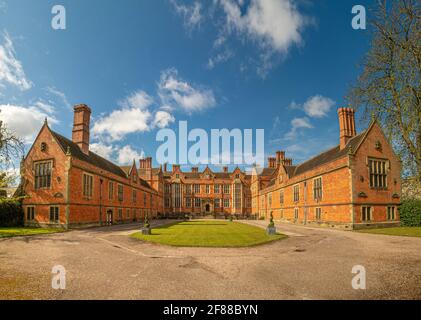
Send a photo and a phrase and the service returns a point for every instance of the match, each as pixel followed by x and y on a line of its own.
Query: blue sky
pixel 280 65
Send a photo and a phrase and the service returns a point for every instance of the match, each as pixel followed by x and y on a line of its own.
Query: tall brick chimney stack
pixel 271 162
pixel 146 163
pixel 80 134
pixel 280 157
pixel 149 163
pixel 288 162
pixel 346 125
pixel 195 169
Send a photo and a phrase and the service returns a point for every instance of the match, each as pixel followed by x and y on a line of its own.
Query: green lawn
pixel 399 231
pixel 213 233
pixel 16 232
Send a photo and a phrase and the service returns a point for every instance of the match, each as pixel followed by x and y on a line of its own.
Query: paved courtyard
pixel 312 263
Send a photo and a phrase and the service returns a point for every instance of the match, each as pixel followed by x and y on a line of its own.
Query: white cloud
pixel 176 92
pixel 122 122
pixel 11 70
pixel 126 155
pixel 3 6
pixel 274 25
pixel 163 119
pixel 137 114
pixel 139 99
pixel 25 122
pixel 102 149
pixel 318 106
pixel 122 155
pixel 220 58
pixel 191 14
pixel 301 123
pixel 296 124
pixel 140 113
pixel 60 95
pixel 294 106
pixel 45 107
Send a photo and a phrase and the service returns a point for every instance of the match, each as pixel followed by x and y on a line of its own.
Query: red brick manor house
pixel 355 184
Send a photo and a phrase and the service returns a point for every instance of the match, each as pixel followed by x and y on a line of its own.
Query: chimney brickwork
pixel 81 123
pixel 346 125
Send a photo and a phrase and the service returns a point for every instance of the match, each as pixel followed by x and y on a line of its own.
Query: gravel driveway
pixel 312 263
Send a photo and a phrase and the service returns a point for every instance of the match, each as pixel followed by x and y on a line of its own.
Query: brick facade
pixel 205 193
pixel 66 166
pixel 334 188
pixel 354 185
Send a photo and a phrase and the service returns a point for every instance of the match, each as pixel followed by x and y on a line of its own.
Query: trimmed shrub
pixel 11 213
pixel 410 213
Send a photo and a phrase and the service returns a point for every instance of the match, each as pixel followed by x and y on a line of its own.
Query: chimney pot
pixel 225 169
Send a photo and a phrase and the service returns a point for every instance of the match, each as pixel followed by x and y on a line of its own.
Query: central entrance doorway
pixel 206 207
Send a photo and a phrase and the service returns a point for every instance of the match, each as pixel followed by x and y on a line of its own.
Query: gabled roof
pixel 192 175
pixel 94 159
pixel 197 175
pixel 271 183
pixel 91 158
pixel 126 169
pixel 222 175
pixel 267 171
pixel 290 170
pixel 142 172
pixel 144 183
pixel 327 156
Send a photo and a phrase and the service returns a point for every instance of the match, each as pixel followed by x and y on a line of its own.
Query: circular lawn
pixel 208 233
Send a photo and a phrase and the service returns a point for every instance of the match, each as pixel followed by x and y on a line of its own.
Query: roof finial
pixel 373 117
pixel 46 121
pixel 68 152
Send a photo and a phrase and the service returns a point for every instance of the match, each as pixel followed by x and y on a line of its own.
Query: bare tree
pixel 11 151
pixel 390 86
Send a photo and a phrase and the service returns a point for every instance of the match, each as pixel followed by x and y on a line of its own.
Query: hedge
pixel 11 213
pixel 410 213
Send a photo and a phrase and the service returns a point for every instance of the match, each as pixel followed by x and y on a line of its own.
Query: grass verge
pixel 23 231
pixel 212 233
pixel 398 231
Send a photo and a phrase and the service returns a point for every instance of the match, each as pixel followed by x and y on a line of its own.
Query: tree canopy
pixel 389 86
